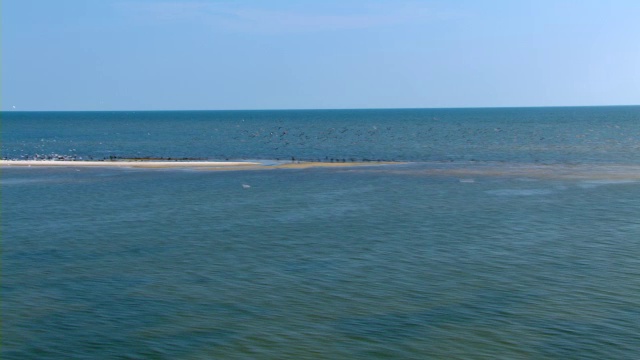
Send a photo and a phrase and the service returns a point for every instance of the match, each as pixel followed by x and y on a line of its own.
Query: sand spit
pixel 133 163
pixel 204 165
pixel 311 164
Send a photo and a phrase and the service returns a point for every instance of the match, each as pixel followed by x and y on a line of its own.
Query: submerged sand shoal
pixel 464 171
pixel 205 165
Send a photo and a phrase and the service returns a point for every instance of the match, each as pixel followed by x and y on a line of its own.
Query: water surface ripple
pixel 317 263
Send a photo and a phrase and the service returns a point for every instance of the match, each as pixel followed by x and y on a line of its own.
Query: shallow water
pixel 317 263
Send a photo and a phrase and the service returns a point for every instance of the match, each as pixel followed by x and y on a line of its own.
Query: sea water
pixel 565 135
pixel 500 233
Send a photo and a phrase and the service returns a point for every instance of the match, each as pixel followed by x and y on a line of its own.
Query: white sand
pixel 205 165
pixel 129 163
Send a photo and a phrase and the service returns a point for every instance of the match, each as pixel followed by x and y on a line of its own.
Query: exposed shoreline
pixel 212 165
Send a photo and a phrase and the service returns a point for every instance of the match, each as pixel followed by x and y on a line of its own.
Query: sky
pixel 226 55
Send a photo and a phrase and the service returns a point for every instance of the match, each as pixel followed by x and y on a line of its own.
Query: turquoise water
pixel 441 257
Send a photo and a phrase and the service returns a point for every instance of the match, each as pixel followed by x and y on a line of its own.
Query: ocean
pixel 508 233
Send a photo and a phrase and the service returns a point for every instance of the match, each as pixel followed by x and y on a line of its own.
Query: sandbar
pixel 204 165
pixel 312 164
pixel 132 163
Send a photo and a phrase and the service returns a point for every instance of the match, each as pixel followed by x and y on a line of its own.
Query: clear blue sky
pixel 201 54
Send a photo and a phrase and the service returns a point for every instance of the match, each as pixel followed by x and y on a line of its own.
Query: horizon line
pixel 332 109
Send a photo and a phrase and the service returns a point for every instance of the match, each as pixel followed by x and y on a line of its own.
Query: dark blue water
pixel 573 135
pixel 501 257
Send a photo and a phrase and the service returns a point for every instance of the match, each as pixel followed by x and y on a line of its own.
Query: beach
pixel 136 164
pixel 205 165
